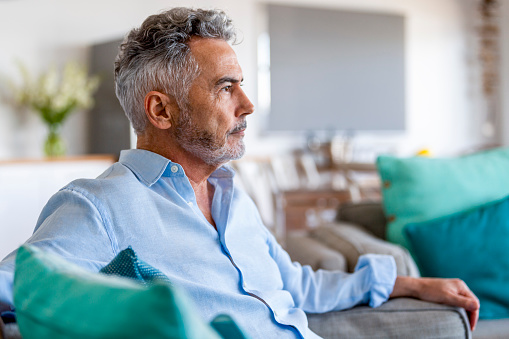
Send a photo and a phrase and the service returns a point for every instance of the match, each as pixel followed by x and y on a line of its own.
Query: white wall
pixel 442 105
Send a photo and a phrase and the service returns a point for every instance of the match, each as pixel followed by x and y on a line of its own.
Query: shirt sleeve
pixel 72 226
pixel 323 291
pixel 6 279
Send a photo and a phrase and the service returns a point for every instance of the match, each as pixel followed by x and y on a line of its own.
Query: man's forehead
pixel 215 57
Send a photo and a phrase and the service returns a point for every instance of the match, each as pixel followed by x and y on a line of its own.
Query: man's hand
pixel 452 292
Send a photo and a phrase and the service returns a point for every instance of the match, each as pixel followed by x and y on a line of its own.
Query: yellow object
pixel 425 152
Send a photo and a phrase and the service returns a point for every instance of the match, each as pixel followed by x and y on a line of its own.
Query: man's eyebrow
pixel 228 79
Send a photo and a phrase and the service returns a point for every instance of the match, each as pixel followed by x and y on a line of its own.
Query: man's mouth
pixel 239 129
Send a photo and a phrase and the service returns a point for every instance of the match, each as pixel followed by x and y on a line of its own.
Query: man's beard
pixel 211 148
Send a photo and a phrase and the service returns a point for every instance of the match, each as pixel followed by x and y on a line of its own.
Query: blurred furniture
pixel 108 130
pixel 26 186
pixel 362 180
pixel 352 234
pixel 256 178
pixel 305 208
pixel 294 193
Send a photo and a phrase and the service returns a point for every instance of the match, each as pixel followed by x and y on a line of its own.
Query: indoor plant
pixel 54 95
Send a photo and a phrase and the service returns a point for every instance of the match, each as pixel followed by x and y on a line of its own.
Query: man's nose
pixel 246 106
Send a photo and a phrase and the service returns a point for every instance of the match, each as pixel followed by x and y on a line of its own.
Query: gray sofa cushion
pixel 353 241
pixel 492 329
pixel 308 251
pixel 398 318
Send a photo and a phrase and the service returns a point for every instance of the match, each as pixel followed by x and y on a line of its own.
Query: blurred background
pixel 335 83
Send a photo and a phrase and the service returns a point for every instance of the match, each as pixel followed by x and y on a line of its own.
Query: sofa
pixel 360 228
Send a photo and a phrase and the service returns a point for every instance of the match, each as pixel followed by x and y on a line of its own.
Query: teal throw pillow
pixel 473 246
pixel 57 299
pixel 419 189
pixel 228 329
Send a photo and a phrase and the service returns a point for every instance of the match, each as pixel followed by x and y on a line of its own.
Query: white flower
pixel 55 95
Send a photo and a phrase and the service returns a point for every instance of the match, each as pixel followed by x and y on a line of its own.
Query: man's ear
pixel 159 109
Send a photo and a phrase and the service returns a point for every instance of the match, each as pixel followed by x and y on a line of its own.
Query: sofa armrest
pixel 353 241
pixel 397 318
pixel 308 251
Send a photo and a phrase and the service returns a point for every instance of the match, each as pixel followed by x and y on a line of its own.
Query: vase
pixel 54 145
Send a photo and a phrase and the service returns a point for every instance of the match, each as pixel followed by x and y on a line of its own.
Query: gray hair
pixel 156 57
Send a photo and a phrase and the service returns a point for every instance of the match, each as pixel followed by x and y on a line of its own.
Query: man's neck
pixel 197 171
pixel 195 168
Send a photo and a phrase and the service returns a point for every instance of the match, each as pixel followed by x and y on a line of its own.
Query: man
pixel 173 201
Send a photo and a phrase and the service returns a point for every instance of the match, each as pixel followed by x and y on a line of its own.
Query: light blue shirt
pixel 147 202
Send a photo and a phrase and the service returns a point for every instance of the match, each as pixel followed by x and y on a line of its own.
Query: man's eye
pixel 227 88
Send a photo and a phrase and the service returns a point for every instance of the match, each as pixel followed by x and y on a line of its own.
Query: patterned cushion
pixel 126 264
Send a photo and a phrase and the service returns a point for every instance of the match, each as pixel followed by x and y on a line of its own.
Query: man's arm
pixel 452 292
pixel 323 291
pixel 71 226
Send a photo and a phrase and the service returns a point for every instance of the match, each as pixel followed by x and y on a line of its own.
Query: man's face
pixel 212 125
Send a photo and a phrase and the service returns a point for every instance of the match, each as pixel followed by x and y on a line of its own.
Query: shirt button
pixel 190 203
pixel 174 169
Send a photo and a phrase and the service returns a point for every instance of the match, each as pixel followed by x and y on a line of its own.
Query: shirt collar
pixel 149 167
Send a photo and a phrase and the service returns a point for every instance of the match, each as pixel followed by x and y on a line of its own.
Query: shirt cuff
pixel 382 270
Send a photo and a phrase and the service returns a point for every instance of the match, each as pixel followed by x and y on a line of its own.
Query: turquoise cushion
pixel 228 329
pixel 473 246
pixel 420 189
pixel 56 299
